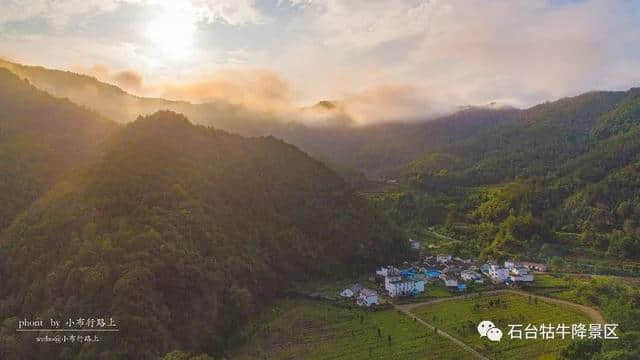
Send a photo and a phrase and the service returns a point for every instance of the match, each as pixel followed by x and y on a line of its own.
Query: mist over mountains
pixel 326 130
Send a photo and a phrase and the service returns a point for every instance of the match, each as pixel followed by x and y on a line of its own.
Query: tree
pixel 556 264
pixel 581 349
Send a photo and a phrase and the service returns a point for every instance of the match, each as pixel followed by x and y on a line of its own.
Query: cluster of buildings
pixel 455 274
pixel 364 297
pixel 512 272
pixel 402 282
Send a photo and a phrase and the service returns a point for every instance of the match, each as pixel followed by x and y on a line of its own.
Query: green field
pixel 460 318
pixel 432 290
pixel 553 286
pixel 551 281
pixel 566 286
pixel 304 329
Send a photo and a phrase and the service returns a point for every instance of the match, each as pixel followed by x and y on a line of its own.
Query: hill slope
pixel 41 138
pixel 117 104
pixel 561 177
pixel 381 150
pixel 181 232
pixel 536 142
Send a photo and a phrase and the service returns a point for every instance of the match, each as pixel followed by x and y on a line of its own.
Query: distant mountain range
pixel 374 150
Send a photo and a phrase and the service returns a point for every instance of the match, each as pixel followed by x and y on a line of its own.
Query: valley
pixel 129 203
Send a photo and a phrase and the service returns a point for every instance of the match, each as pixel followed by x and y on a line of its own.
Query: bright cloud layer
pixel 390 60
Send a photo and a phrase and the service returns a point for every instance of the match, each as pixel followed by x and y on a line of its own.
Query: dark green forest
pixel 560 178
pixel 178 231
pixel 41 139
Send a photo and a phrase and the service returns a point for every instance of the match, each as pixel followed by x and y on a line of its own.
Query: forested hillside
pixel 536 143
pixel 562 177
pixel 180 232
pixel 41 138
pixel 382 150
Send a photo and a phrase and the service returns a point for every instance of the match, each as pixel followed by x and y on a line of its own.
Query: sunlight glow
pixel 173 32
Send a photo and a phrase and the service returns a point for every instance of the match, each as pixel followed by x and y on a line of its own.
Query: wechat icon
pixel 489 329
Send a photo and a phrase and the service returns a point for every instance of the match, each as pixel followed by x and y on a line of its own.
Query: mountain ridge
pixel 372 149
pixel 559 179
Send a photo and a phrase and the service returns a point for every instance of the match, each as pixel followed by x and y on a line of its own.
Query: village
pixel 431 302
pixel 454 274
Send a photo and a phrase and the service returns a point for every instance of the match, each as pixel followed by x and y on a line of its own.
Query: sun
pixel 172 32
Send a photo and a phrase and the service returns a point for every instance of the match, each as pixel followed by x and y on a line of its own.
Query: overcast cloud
pixel 413 58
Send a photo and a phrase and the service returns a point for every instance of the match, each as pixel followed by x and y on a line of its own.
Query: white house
pixel 389 279
pixel 468 275
pixel 347 293
pixel 400 285
pixel 414 244
pixel 510 264
pixel 498 274
pixel 387 271
pixel 521 274
pixel 449 281
pixel 367 297
pixel 443 258
pixel 534 266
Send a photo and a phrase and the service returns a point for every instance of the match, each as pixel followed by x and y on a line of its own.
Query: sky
pixel 386 59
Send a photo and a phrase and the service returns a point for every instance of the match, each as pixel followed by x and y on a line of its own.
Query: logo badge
pixel 489 329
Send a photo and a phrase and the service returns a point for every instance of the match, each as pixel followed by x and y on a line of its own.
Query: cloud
pixel 358 24
pixel 263 91
pixel 379 104
pixel 387 103
pixel 460 52
pixel 59 12
pixel 415 58
pixel 257 89
pixel 129 80
pixel 234 12
pixel 478 51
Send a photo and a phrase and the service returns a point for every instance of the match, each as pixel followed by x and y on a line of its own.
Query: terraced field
pixel 553 285
pixel 460 317
pixel 303 329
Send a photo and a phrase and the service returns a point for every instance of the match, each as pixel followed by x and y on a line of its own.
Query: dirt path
pixel 442 236
pixel 592 313
pixel 442 333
